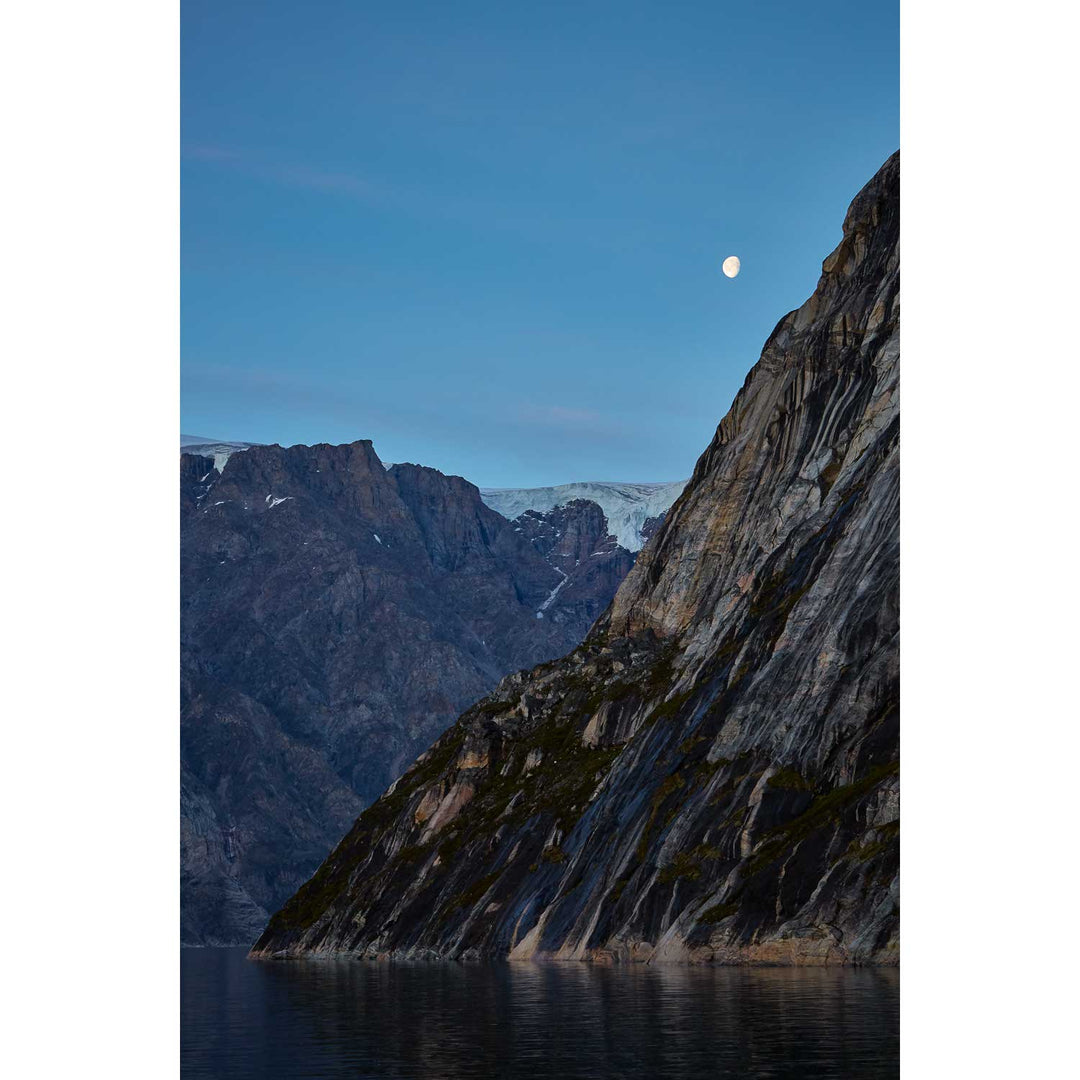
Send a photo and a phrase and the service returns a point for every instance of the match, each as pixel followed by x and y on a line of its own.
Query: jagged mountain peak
pixel 632 510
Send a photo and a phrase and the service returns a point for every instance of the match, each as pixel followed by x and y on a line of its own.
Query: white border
pixel 90 252
pixel 989 290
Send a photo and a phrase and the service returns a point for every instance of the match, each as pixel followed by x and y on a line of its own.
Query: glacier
pixel 626 506
pixel 219 449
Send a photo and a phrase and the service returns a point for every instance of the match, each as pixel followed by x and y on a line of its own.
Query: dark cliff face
pixel 714 773
pixel 335 617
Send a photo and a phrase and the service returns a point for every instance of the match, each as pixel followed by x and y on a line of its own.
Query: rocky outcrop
pixel 336 616
pixel 574 540
pixel 714 773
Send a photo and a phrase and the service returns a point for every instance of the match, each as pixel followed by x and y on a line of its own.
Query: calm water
pixel 351 1019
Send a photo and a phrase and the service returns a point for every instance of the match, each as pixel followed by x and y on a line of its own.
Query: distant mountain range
pixel 632 510
pixel 337 614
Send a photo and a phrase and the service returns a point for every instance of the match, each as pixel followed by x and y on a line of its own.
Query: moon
pixel 732 265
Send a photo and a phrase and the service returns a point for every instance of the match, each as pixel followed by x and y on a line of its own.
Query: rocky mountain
pixel 336 616
pixel 632 510
pixel 574 540
pixel 714 773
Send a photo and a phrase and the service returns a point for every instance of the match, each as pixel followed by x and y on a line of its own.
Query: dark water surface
pixel 242 1018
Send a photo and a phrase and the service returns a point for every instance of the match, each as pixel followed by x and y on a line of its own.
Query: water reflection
pixel 352 1019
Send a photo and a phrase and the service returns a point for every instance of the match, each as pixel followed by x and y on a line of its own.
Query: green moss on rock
pixel 789 779
pixel 718 912
pixel 473 894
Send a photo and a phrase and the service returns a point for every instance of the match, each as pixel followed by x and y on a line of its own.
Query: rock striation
pixel 336 615
pixel 713 774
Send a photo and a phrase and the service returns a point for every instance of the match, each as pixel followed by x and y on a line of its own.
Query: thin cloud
pixel 317 180
pixel 294 176
pixel 534 223
pixel 202 152
pixel 561 416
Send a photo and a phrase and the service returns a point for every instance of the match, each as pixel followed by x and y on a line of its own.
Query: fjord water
pixel 242 1018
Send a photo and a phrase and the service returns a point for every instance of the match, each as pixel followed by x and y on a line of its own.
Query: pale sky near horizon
pixel 488 236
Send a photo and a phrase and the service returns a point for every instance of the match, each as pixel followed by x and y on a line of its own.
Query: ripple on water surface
pixel 311 1019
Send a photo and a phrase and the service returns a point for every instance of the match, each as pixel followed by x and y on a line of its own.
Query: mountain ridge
pixel 628 505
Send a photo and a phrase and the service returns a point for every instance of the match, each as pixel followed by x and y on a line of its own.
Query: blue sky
pixel 488 236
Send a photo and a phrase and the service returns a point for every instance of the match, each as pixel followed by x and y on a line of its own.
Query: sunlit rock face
pixel 713 775
pixel 336 616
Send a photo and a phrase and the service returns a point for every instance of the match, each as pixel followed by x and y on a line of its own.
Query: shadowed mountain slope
pixel 336 616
